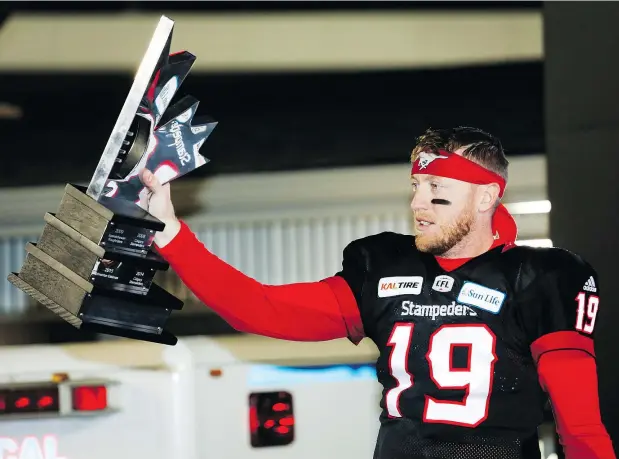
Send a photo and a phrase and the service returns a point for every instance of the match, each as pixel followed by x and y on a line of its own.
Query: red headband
pixel 452 165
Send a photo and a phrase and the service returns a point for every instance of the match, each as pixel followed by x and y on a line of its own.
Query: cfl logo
pixel 443 283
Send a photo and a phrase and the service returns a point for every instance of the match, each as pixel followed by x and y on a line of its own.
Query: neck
pixel 476 243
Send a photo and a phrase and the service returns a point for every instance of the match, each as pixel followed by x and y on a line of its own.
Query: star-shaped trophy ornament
pixel 93 264
pixel 166 140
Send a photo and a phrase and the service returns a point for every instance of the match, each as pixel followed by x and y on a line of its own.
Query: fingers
pixel 144 199
pixel 150 181
pixel 166 189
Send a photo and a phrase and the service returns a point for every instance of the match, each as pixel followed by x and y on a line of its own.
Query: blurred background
pixel 318 105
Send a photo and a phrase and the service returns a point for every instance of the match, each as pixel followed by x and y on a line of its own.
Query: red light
pixel 254 423
pixel 275 417
pixel 45 401
pixel 281 407
pixel 89 398
pixel 22 402
pixel 269 423
pixel 30 400
pixel 289 421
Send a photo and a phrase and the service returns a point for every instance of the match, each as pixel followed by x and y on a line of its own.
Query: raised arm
pixel 312 311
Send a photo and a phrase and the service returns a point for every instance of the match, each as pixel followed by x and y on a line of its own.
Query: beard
pixel 450 235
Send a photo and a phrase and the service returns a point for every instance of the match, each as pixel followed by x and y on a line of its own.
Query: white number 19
pixel 476 379
pixel 590 308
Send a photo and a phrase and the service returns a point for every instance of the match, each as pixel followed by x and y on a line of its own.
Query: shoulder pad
pixel 385 240
pixel 382 247
pixel 549 259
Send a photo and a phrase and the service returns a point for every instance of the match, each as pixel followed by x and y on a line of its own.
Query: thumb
pixel 150 181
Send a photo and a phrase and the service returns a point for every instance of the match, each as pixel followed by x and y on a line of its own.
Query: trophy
pixel 93 264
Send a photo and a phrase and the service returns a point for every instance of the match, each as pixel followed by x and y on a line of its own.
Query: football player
pixel 474 332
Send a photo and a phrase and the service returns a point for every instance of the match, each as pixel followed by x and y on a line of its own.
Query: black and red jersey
pixel 458 349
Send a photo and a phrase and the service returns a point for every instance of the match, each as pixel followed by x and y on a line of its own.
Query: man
pixel 474 333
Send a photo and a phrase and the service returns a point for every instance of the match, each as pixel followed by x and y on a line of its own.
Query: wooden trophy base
pixel 97 281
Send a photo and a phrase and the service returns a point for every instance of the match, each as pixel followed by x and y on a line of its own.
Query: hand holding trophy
pixel 93 264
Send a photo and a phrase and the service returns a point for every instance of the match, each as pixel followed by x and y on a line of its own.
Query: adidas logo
pixel 590 285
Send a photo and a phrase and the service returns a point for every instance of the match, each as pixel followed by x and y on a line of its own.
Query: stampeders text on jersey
pixel 433 311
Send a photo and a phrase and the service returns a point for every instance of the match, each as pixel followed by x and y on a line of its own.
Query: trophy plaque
pixel 93 264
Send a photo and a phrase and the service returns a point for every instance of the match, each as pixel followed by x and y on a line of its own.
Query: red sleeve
pixel 569 376
pixel 561 340
pixel 312 311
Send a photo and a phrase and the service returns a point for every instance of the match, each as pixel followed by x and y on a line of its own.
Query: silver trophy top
pixel 159 45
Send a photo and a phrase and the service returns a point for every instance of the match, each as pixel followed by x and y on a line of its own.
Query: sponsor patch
pixel 481 297
pixel 394 286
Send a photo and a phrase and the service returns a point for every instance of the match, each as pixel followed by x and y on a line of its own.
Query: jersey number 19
pixel 475 379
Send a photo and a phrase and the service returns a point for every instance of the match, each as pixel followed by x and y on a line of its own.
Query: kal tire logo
pixel 394 286
pixel 443 283
pixel 481 297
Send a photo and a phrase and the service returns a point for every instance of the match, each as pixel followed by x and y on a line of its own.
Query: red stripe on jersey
pixel 449 264
pixel 561 340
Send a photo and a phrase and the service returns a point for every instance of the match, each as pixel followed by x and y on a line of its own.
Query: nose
pixel 419 201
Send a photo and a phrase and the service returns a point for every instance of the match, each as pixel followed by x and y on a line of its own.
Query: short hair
pixel 481 147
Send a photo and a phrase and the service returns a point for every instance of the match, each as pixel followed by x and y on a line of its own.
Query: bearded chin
pixel 450 236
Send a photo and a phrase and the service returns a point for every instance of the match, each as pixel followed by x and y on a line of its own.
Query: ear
pixel 488 196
